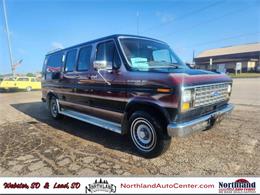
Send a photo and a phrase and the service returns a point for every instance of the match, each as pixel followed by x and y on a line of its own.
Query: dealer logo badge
pixel 238 186
pixel 101 186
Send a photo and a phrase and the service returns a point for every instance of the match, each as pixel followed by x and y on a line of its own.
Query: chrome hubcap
pixel 143 134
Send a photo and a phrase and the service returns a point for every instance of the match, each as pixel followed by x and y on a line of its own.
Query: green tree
pixel 30 74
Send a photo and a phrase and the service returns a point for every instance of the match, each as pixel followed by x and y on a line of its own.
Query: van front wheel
pixel 146 134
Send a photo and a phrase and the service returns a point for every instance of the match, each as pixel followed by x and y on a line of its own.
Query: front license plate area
pixel 200 126
pixel 214 119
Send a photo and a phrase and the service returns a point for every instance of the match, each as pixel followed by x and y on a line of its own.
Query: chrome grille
pixel 210 94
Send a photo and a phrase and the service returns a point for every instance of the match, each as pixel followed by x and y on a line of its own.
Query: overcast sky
pixel 40 26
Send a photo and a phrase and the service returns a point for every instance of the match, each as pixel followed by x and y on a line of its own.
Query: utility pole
pixel 193 59
pixel 193 56
pixel 8 39
pixel 210 63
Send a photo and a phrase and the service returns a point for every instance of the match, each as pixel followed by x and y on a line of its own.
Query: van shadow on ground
pixel 38 111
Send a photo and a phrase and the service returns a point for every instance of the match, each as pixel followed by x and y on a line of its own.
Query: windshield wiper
pixel 164 64
pixel 156 67
pixel 169 66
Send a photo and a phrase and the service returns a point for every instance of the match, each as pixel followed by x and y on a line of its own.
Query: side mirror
pixel 100 65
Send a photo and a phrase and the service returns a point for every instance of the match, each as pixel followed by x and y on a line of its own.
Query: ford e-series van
pixel 136 86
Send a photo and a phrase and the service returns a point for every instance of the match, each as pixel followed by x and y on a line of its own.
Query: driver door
pixel 109 92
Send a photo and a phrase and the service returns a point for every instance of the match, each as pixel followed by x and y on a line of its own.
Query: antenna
pixel 8 39
pixel 137 22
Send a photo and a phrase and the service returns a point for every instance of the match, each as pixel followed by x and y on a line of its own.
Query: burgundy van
pixel 136 86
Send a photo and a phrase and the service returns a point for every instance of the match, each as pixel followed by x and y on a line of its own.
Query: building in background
pixel 240 58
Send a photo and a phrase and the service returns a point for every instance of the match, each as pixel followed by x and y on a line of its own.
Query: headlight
pixel 186 96
pixel 186 100
pixel 229 89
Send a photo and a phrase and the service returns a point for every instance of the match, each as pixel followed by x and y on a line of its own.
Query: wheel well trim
pixel 49 95
pixel 133 103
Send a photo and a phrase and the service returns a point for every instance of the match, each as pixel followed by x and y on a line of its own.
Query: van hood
pixel 191 77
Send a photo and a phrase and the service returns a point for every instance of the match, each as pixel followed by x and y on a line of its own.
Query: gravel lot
pixel 33 144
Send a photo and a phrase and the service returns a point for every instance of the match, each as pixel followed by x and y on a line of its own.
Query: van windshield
pixel 148 55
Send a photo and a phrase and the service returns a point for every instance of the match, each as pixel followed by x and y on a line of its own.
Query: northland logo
pixel 101 186
pixel 239 186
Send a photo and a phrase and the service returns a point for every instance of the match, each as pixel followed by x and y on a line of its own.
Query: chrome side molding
pixel 111 126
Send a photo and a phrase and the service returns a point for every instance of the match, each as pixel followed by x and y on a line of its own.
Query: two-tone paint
pixel 86 92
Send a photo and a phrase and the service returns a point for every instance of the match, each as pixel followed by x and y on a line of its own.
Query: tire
pixel 147 135
pixel 29 88
pixel 53 108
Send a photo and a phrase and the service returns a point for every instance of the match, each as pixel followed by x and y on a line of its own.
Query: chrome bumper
pixel 199 124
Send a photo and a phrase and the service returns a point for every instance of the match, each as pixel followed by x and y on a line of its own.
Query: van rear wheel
pixel 147 135
pixel 54 108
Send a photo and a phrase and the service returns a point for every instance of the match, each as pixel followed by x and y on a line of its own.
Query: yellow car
pixel 24 83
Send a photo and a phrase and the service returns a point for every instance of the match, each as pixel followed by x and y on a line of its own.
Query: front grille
pixel 210 94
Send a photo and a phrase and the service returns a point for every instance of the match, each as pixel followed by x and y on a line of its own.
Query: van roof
pixel 100 39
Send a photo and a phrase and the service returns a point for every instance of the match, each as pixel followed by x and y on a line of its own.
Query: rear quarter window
pixel 54 62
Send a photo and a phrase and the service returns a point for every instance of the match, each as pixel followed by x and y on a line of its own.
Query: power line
pixel 210 20
pixel 223 39
pixel 185 16
pixel 227 38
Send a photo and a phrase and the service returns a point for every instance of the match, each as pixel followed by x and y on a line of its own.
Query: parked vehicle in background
pixel 7 83
pixel 20 83
pixel 134 85
pixel 257 68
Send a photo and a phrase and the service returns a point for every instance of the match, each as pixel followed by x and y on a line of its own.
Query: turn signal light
pixel 163 90
pixel 185 106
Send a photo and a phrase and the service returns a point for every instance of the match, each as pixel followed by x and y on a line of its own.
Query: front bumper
pixel 182 129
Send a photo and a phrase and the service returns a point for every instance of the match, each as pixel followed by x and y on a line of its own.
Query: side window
pixel 54 62
pixel 107 52
pixel 23 79
pixel 33 80
pixel 84 58
pixel 9 79
pixel 116 60
pixel 70 60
